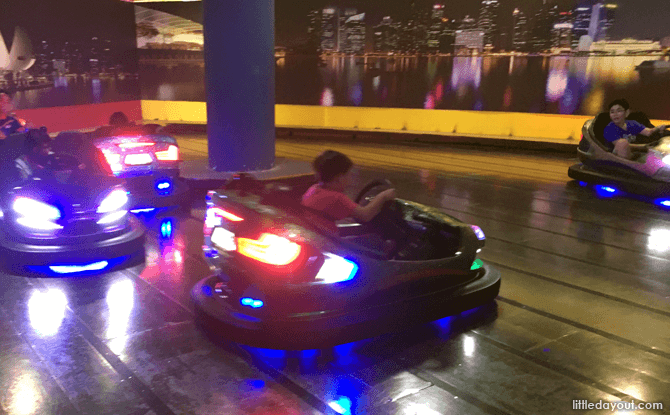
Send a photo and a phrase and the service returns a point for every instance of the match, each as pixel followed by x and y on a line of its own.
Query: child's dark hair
pixel 621 102
pixel 5 92
pixel 330 164
pixel 118 118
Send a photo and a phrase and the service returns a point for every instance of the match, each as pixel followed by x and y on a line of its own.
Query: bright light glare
pixel 25 395
pixel 479 232
pixel 143 210
pixel 28 207
pixel 70 269
pixel 468 346
pixel 113 159
pixel 418 409
pixel 270 249
pixel 664 202
pixel 225 214
pixel 659 240
pixel 138 159
pixel 43 225
pixel 666 159
pixel 113 217
pixel 336 269
pixel 342 405
pixel 251 302
pixel 224 239
pixel 46 311
pixel 120 302
pixel 171 154
pixel 163 185
pixel 114 201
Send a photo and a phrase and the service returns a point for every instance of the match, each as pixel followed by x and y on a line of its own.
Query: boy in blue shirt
pixel 621 133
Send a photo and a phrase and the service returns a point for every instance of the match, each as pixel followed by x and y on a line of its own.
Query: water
pixel 554 85
pixel 72 90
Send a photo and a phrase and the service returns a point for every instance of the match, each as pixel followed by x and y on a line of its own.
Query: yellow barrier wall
pixel 515 125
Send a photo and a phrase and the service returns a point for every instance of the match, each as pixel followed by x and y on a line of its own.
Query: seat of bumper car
pixel 601 121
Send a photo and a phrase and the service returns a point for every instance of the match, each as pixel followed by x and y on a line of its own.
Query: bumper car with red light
pixel 286 277
pixel 149 164
pixel 67 220
pixel 647 174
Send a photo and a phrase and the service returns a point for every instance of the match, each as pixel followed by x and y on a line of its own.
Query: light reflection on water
pixel 560 84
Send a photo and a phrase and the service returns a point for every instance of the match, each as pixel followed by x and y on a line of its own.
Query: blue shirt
pixel 613 132
pixel 9 126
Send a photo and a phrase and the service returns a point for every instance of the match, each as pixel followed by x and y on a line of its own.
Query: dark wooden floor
pixel 583 313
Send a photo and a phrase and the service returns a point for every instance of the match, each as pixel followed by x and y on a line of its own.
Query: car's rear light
pixel 214 217
pixel 135 145
pixel 171 154
pixel 114 160
pixel 270 249
pixel 138 159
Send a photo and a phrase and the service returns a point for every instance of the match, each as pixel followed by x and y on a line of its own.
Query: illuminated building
pixel 468 23
pixel 435 28
pixel 488 17
pixel 329 29
pixel 581 21
pixel 561 34
pixel 602 18
pixel 354 32
pixel 540 39
pixel 342 28
pixel 314 30
pixel 520 35
pixel 386 36
pixel 626 47
pixel 469 41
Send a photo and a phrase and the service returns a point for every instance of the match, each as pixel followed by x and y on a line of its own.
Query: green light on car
pixel 477 264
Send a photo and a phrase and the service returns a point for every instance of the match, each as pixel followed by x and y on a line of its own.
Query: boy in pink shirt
pixel 333 171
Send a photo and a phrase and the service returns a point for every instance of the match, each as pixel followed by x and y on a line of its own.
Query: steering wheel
pixel 390 222
pixel 371 190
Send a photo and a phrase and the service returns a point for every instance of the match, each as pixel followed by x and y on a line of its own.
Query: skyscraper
pixel 386 36
pixel 354 30
pixel 435 28
pixel 602 18
pixel 562 32
pixel 540 39
pixel 341 32
pixel 314 31
pixel 488 20
pixel 520 31
pixel 329 29
pixel 581 21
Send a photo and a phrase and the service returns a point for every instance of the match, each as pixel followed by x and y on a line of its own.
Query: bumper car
pixel 69 218
pixel 149 163
pixel 647 174
pixel 285 277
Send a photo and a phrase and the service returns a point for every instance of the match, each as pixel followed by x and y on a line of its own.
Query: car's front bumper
pixel 144 191
pixel 638 185
pixel 116 250
pixel 329 327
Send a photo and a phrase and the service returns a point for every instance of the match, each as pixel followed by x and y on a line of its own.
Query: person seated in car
pixel 621 133
pixel 119 124
pixel 9 124
pixel 37 155
pixel 333 171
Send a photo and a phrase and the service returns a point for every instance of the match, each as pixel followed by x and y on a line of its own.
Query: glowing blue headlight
pixel 336 269
pixel 251 302
pixel 478 232
pixel 606 191
pixel 116 200
pixel 663 202
pixel 164 186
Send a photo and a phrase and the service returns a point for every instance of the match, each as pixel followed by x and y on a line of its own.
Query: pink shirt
pixel 334 204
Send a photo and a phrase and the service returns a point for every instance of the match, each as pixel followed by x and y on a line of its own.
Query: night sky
pixel 71 19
